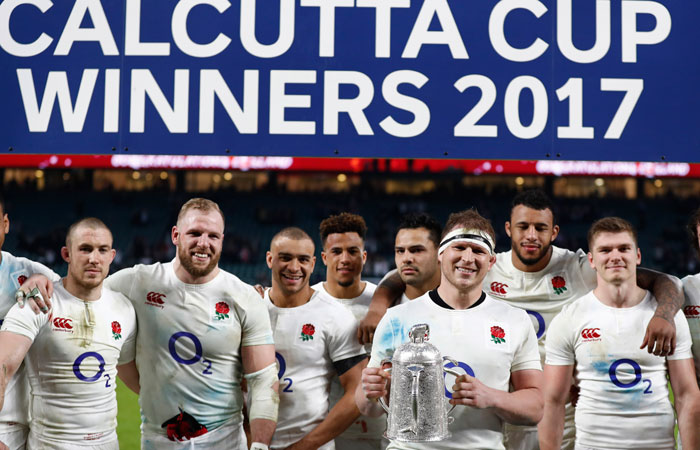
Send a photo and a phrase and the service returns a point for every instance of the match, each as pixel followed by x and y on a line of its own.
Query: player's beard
pixel 186 260
pixel 532 261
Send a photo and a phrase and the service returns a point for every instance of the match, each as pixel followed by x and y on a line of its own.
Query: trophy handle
pixel 454 373
pixel 388 370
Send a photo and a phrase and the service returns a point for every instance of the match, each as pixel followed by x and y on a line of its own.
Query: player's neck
pixel 459 299
pixel 281 300
pixel 624 295
pixel 536 267
pixel 183 275
pixel 85 294
pixel 338 291
pixel 413 292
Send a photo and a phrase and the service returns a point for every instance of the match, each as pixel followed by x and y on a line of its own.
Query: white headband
pixel 474 236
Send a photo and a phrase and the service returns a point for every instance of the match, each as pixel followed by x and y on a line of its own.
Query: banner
pixel 509 79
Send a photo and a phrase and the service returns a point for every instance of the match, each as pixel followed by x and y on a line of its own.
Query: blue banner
pixel 509 79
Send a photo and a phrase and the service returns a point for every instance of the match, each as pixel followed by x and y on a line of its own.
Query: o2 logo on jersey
pixel 464 366
pixel 637 375
pixel 198 351
pixel 280 373
pixel 101 368
pixel 540 323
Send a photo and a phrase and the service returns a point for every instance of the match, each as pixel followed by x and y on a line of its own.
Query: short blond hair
pixel 200 204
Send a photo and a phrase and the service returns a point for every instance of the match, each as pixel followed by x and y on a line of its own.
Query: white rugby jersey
pixel 691 309
pixel 624 389
pixel 364 427
pixel 309 338
pixel 13 271
pixel 188 346
pixel 404 299
pixel 567 276
pixel 72 365
pixel 490 340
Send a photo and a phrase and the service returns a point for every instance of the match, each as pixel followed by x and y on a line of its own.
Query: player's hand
pixel 3 446
pixel 374 382
pixel 469 391
pixel 660 337
pixel 574 392
pixel 261 290
pixel 365 331
pixel 41 303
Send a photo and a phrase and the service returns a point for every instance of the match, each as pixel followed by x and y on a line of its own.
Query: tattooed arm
pixel 660 337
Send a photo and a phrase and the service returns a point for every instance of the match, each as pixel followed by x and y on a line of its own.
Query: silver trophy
pixel 418 410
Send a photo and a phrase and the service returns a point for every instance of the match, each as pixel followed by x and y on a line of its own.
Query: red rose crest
pixel 21 279
pixel 116 330
pixel 559 284
pixel 498 335
pixel 307 332
pixel 222 310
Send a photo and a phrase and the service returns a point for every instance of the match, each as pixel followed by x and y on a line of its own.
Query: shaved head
pixel 89 222
pixel 293 233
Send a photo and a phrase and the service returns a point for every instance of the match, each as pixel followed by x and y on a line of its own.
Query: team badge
pixel 559 284
pixel 62 324
pixel 21 279
pixel 222 310
pixel 307 332
pixel 590 334
pixel 499 288
pixel 498 335
pixel 155 299
pixel 116 330
pixel 692 312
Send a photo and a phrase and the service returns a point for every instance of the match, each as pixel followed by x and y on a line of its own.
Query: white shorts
pixel 525 438
pixel 15 439
pixel 360 444
pixel 229 436
pixel 42 444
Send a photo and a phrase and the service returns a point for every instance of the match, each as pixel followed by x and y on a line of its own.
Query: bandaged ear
pixel 263 399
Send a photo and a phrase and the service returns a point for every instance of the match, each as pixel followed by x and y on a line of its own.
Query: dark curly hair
pixel 342 223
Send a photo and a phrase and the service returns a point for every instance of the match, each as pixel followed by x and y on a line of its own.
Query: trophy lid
pixel 417 350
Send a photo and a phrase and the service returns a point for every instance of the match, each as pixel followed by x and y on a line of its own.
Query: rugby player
pixel 691 287
pixel 14 418
pixel 75 352
pixel 344 255
pixel 415 253
pixel 494 344
pixel 624 400
pixel 541 278
pixel 315 341
pixel 201 330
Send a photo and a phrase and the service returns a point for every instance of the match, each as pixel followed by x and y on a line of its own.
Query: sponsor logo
pixel 590 334
pixel 307 332
pixel 498 335
pixel 222 310
pixel 499 288
pixel 155 299
pixel 116 330
pixel 62 324
pixel 559 285
pixel 21 279
pixel 692 311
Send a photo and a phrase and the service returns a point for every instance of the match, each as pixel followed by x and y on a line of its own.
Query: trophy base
pixel 418 439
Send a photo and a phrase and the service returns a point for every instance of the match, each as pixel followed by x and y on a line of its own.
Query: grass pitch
pixel 128 418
